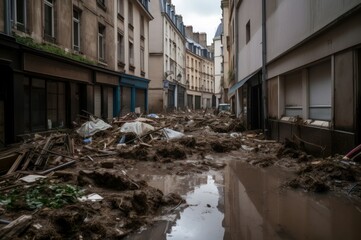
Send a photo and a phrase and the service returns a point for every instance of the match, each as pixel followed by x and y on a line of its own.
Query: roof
pixel 219 30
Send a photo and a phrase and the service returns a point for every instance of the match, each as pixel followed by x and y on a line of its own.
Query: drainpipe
pixel 7 16
pixel 264 69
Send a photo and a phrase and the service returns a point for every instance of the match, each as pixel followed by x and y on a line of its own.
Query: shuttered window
pixel 320 91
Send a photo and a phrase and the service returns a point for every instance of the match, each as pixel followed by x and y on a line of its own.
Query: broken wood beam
pixel 43 151
pixel 57 167
pixel 17 162
pixel 16 227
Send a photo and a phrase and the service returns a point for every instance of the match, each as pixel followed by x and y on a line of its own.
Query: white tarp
pixel 171 134
pixel 139 128
pixel 91 127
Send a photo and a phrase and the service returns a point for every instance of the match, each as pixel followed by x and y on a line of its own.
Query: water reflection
pixel 255 208
pixel 246 202
pixel 202 220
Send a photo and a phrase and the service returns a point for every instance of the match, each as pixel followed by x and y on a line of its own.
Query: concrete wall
pixel 157 28
pixel 342 36
pixel 249 54
pixel 292 21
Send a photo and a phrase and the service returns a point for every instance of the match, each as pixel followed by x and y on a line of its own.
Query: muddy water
pixel 245 202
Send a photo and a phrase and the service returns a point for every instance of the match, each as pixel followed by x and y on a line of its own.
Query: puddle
pixel 246 202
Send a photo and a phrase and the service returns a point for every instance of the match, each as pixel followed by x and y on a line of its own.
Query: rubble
pixel 97 169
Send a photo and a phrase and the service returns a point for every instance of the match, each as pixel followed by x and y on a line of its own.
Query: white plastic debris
pixel 32 178
pixel 246 148
pixel 94 197
pixel 171 134
pixel 91 127
pixel 138 128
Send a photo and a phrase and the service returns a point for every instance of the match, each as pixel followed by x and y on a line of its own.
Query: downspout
pixel 264 69
pixel 7 16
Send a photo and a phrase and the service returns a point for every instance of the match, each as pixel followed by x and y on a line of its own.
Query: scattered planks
pixel 35 155
pixel 15 228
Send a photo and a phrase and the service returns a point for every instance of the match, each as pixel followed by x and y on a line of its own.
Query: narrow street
pixel 185 175
pixel 247 202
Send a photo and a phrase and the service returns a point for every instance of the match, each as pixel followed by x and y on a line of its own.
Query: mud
pixel 129 203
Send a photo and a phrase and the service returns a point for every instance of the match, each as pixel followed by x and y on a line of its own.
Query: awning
pixel 239 84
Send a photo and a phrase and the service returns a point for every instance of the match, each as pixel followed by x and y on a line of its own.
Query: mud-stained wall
pixel 273 98
pixel 344 91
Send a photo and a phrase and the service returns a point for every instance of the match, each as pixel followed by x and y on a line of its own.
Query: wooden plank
pixel 17 162
pixel 16 227
pixel 43 151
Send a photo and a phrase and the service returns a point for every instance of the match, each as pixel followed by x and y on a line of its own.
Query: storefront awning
pixel 239 84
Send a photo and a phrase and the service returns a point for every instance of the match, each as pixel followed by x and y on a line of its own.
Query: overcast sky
pixel 203 15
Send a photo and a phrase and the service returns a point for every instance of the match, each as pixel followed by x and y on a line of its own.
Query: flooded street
pixel 247 202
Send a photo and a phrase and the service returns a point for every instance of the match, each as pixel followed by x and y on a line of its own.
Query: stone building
pixel 303 81
pixel 200 71
pixel 62 59
pixel 167 58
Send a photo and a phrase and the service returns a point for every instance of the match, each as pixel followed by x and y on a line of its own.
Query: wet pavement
pixel 247 202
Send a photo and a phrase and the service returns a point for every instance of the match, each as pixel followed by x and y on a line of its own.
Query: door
pixel 256 107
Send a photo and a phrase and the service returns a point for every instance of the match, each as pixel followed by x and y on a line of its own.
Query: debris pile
pixel 77 181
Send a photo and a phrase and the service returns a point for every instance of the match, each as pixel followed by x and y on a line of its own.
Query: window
pixel 121 8
pixel 18 14
pixel 49 18
pixel 55 105
pixel 142 59
pixel 101 43
pixel 76 30
pixel 130 13
pixel 293 94
pixel 44 103
pixel 248 31
pixel 120 48
pixel 38 104
pixel 131 54
pixel 142 26
pixel 320 91
pixel 101 4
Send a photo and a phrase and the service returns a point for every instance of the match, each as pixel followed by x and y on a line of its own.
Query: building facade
pixel 200 71
pixel 310 61
pixel 218 65
pixel 132 55
pixel 167 89
pixel 227 75
pixel 60 60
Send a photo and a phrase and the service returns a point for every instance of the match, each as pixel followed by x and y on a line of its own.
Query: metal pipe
pixel 264 69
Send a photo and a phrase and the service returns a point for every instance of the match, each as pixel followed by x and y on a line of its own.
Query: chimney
pixel 189 32
pixel 203 39
pixel 196 37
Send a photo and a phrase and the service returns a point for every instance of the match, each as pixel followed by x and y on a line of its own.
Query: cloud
pixel 203 15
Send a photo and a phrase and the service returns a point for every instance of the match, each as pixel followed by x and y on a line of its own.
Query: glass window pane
pixel 38 104
pixel 48 19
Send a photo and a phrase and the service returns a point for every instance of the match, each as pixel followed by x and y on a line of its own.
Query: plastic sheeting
pixel 171 134
pixel 91 127
pixel 139 128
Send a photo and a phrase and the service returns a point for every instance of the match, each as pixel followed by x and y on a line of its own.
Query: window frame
pixel 76 21
pixel 49 4
pixel 101 43
pixel 14 15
